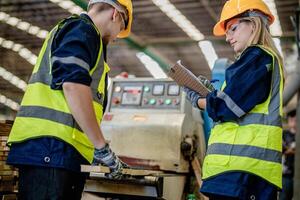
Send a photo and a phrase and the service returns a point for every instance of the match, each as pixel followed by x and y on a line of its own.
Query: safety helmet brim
pixel 234 8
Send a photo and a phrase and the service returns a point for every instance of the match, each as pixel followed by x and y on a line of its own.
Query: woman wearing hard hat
pixel 243 159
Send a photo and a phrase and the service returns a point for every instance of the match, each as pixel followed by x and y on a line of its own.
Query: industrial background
pixel 24 24
pixel 157 41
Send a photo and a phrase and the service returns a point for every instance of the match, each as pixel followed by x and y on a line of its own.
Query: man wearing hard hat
pixel 58 125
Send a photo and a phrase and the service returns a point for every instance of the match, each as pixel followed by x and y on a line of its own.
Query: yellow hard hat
pixel 128 5
pixel 233 8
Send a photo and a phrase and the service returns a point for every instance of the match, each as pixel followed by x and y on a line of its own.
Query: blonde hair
pixel 262 36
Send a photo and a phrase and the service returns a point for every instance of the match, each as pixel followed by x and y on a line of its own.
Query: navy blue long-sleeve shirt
pixel 76 39
pixel 248 83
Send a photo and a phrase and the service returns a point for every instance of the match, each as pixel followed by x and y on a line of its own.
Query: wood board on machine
pixel 8 173
pixel 5 127
pixel 129 171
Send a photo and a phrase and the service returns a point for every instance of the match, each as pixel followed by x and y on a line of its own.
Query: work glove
pixel 107 157
pixel 192 96
pixel 207 83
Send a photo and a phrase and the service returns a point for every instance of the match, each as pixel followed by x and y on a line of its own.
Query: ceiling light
pixel 25 53
pixel 16 81
pixel 33 30
pixel 42 34
pixel 68 5
pixel 32 59
pixel 7 76
pixel 75 9
pixel 209 52
pixel 275 28
pixel 173 13
pixel 3 16
pixel 16 47
pixel 20 49
pixel 9 103
pixel 12 21
pixel 7 44
pixel 23 25
pixel 151 65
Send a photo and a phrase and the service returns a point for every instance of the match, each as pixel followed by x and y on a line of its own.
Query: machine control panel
pixel 145 95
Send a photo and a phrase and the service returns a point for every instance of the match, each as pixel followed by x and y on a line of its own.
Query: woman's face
pixel 238 33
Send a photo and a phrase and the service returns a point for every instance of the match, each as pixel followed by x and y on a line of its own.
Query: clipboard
pixel 184 77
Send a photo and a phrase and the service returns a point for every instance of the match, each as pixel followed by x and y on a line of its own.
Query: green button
pixel 146 89
pixel 168 101
pixel 152 101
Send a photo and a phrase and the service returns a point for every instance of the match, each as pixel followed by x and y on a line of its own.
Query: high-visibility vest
pixel 44 112
pixel 253 143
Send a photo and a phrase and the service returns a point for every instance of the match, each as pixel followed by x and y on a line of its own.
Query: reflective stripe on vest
pixel 245 151
pixel 253 142
pixel 45 112
pixel 230 104
pixel 71 60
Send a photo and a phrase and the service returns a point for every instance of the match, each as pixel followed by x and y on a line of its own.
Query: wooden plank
pixel 90 196
pixel 9 197
pixel 4 148
pixel 10 122
pixel 3 138
pixel 7 178
pixel 3 153
pixel 5 127
pixel 132 172
pixel 6 167
pixel 6 173
pixel 197 171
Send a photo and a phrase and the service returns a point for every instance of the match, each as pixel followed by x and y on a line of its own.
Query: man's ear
pixel 114 15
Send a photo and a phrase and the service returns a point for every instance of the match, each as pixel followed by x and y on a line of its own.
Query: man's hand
pixel 107 157
pixel 192 96
pixel 290 151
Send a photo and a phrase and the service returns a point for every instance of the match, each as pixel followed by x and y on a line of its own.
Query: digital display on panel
pixel 173 90
pixel 158 89
pixel 132 95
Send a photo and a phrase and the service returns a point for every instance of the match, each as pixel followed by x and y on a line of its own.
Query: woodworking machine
pixel 150 125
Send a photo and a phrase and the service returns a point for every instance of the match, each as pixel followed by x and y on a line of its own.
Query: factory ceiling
pixel 153 32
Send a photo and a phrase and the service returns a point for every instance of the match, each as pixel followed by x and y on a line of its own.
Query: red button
pixel 116 100
pixel 107 117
